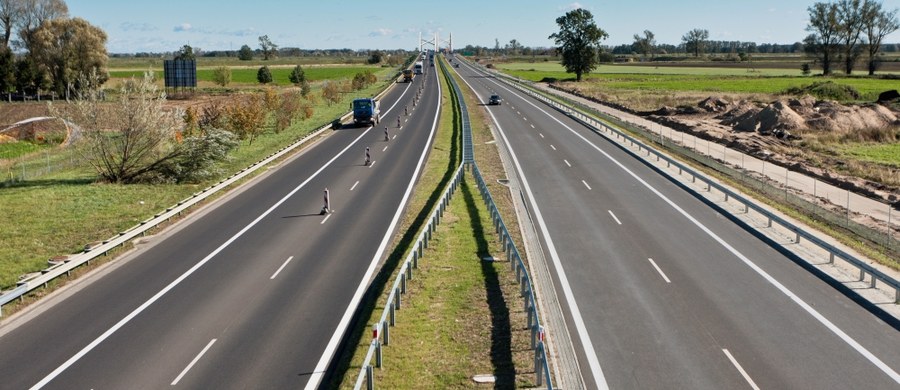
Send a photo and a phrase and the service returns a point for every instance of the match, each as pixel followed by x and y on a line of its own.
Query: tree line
pixel 60 54
pixel 842 32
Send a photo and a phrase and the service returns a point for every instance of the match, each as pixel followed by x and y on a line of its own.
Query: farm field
pixel 622 78
pixel 247 75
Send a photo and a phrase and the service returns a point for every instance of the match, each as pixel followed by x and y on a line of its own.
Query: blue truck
pixel 365 110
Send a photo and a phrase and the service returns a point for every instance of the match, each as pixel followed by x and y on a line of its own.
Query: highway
pixel 255 291
pixel 659 289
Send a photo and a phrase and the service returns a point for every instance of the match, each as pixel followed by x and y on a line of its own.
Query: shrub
pixel 298 76
pixel 331 92
pixel 826 90
pixel 222 76
pixel 264 75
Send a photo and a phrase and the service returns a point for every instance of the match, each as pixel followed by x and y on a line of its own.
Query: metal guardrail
pixel 600 127
pixel 541 364
pixel 91 252
pixel 381 330
pixel 381 333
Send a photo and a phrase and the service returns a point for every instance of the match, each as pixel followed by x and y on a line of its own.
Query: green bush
pixel 826 90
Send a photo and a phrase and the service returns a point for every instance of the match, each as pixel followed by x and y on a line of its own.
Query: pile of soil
pixel 766 130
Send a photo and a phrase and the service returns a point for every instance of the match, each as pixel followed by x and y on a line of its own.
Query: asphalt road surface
pixel 660 290
pixel 254 293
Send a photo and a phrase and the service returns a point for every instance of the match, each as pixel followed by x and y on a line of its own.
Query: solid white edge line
pixel 790 294
pixel 355 184
pixel 319 371
pixel 587 345
pixel 326 218
pixel 93 344
pixel 191 364
pixel 740 369
pixel 614 217
pixel 282 267
pixel 661 273
pixel 586 185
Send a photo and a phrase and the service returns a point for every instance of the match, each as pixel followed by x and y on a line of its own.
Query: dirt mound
pixel 802 114
pixel 714 104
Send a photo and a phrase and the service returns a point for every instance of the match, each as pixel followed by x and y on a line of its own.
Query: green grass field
pixel 611 78
pixel 133 63
pixel 9 150
pixel 888 154
pixel 248 75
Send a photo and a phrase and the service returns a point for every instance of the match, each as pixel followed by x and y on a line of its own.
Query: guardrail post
pixel 378 356
pixel 397 298
pixel 387 333
pixel 370 378
pixel 538 377
pixel 862 274
pixel 830 258
pixel 897 296
pixel 403 282
pixel 393 314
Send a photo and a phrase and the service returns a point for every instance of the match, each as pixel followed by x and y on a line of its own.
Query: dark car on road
pixel 494 100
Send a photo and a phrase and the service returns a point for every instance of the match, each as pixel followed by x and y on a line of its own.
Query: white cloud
pixel 381 32
pixel 131 26
pixel 571 7
pixel 182 27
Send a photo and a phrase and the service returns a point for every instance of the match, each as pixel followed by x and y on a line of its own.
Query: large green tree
pixel 246 53
pixel 850 25
pixel 695 41
pixel 70 51
pixel 824 41
pixel 7 71
pixel 186 53
pixel 34 13
pixel 268 48
pixel 579 41
pixel 877 24
pixel 644 44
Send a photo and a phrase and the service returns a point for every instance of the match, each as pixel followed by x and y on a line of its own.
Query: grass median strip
pixel 461 315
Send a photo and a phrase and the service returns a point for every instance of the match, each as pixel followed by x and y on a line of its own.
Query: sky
pixel 166 25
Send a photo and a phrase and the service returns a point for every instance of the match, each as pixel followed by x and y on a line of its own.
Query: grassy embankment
pixel 461 315
pixel 59 212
